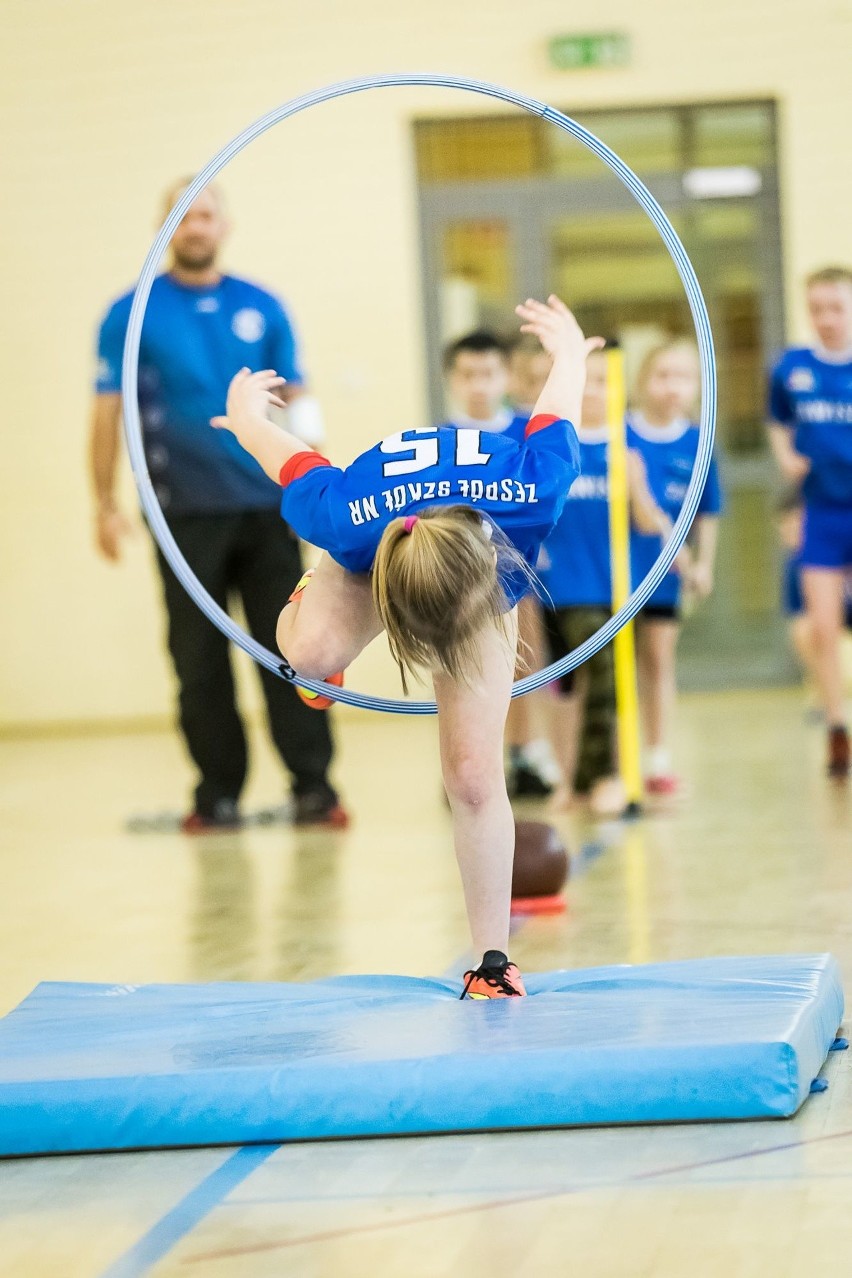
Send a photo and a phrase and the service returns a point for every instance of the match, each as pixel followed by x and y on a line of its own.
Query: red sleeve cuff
pixel 539 422
pixel 299 465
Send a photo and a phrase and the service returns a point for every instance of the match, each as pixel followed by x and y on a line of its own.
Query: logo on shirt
pixel 248 325
pixel 589 488
pixel 207 305
pixel 104 370
pixel 801 379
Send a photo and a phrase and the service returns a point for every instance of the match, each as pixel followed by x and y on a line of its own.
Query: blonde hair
pixel 437 586
pixel 829 275
pixel 173 193
pixel 650 358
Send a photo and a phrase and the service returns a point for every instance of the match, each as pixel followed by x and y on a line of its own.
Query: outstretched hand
pixel 249 397
pixel 556 328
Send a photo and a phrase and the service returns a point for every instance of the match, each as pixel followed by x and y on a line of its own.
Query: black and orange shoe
pixel 495 977
pixel 320 806
pixel 838 752
pixel 314 700
pixel 318 700
pixel 223 818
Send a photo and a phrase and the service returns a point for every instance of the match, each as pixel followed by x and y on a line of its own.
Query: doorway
pixel 511 206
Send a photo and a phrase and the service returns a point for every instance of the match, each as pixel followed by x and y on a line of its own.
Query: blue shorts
pixel 827 537
pixel 791 590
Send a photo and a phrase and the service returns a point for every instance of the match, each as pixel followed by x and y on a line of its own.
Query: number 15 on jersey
pixel 424 450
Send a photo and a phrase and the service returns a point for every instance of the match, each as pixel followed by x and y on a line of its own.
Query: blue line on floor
pixel 486 1192
pixel 186 1214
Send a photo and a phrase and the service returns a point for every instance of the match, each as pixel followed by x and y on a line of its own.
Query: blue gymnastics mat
pixel 103 1067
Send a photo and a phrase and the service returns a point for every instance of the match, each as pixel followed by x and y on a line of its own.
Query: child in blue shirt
pixel 476 372
pixel 662 432
pixel 431 537
pixel 575 570
pixel 810 404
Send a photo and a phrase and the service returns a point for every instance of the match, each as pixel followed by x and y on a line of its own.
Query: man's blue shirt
pixel 193 342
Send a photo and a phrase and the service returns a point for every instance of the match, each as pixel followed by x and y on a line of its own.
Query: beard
pixel 199 258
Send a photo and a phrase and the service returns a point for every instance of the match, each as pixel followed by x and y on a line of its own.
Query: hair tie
pixel 409 522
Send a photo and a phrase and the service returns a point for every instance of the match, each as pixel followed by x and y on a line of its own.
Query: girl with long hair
pixel 431 536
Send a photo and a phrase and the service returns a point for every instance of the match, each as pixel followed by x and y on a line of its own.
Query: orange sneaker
pixel 495 977
pixel 314 700
pixel 317 700
pixel 303 581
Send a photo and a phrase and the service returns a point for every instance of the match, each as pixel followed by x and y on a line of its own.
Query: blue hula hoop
pixel 133 426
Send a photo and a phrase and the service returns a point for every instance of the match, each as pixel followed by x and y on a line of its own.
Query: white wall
pixel 103 104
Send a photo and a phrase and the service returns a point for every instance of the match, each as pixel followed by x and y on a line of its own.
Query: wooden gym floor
pixel 757 859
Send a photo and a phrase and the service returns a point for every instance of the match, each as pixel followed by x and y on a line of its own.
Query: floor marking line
pixel 162 1237
pixel 500 1203
pixel 188 1212
pixel 480 1190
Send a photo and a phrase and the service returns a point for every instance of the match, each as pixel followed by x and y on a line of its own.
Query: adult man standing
pixel 201 326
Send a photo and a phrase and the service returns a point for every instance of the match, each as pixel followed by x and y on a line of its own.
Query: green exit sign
pixel 576 52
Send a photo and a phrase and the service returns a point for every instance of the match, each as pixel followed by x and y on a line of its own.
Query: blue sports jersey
pixel 669 455
pixel 574 566
pixel 193 342
pixel 812 397
pixel 519 487
pixel 512 425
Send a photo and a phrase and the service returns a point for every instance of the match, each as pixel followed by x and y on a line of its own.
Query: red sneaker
pixel 666 785
pixel 321 807
pixel 495 977
pixel 224 818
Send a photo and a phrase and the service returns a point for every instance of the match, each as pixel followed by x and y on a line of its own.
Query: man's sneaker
pixel 495 977
pixel 224 817
pixel 838 752
pixel 321 807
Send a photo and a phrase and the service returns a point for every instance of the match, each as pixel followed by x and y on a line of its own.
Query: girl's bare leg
pixel 471 721
pixel 801 638
pixel 332 620
pixel 823 589
pixel 657 645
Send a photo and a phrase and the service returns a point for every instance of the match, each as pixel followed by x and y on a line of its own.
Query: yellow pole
pixel 624 651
